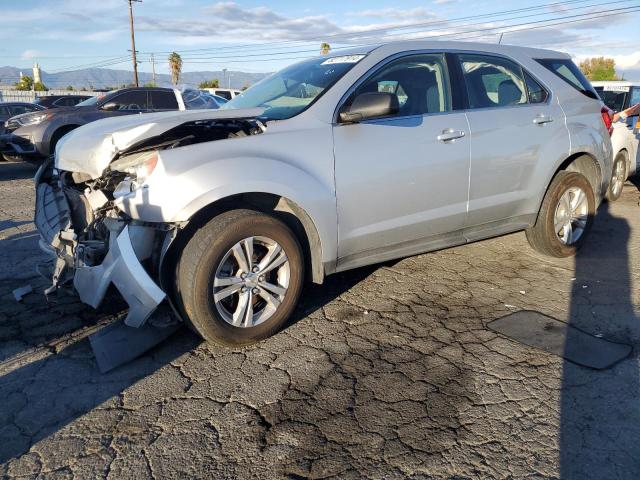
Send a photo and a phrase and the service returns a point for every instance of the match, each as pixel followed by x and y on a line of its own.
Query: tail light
pixel 607 118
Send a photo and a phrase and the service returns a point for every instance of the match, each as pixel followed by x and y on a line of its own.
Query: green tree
pixel 599 68
pixel 325 48
pixel 40 87
pixel 175 64
pixel 25 83
pixel 245 86
pixel 150 84
pixel 215 83
pixel 70 88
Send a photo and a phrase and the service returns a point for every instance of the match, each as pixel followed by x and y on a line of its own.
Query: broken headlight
pixel 137 165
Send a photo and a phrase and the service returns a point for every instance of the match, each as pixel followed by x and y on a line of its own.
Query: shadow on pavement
pixel 43 396
pixel 16 171
pixel 599 413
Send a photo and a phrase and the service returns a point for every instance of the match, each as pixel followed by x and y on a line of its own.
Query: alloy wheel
pixel 571 215
pixel 251 281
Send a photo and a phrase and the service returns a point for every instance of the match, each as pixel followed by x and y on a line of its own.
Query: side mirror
pixel 110 106
pixel 370 105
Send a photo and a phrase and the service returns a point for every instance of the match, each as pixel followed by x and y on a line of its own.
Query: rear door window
pixel 163 100
pixel 492 81
pixel 570 73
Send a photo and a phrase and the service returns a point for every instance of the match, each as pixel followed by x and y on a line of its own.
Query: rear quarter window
pixel 568 71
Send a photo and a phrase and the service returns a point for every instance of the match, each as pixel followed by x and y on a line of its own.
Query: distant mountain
pixel 105 77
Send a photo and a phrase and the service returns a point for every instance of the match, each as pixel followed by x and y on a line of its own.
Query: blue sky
pixel 259 36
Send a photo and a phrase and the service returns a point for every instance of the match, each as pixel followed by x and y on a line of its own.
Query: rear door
pixel 516 129
pixel 401 180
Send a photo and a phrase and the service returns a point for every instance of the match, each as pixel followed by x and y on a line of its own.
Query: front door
pixel 402 181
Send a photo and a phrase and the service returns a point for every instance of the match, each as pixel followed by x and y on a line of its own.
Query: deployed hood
pixel 91 148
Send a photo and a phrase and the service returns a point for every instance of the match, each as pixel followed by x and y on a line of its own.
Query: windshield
pixel 288 92
pixel 88 102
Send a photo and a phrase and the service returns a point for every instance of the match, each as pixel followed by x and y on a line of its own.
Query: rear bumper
pixel 128 245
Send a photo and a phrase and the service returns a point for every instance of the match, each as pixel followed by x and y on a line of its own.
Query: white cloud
pixel 101 36
pixel 30 54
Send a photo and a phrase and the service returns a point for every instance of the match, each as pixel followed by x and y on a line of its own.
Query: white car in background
pixel 619 96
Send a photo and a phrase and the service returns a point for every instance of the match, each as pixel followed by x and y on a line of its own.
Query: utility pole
pixel 153 69
pixel 133 43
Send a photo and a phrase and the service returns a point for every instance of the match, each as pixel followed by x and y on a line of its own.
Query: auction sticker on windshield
pixel 343 59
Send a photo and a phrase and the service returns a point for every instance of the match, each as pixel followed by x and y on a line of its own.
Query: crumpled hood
pixel 91 148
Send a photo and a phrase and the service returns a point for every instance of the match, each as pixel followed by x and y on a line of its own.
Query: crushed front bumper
pixel 128 245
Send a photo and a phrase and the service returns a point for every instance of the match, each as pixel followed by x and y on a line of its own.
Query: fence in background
pixel 8 95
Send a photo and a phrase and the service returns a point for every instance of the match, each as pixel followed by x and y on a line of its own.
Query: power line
pixel 626 10
pixel 390 27
pixel 390 35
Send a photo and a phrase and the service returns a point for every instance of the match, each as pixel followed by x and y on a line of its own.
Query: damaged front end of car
pixel 82 221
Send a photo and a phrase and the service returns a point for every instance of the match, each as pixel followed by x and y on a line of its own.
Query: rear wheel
pixel 565 217
pixel 240 277
pixel 618 177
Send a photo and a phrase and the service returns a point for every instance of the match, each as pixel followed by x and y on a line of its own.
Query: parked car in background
pixel 414 146
pixel 33 137
pixel 55 101
pixel 10 109
pixel 620 96
pixel 227 93
pixel 221 100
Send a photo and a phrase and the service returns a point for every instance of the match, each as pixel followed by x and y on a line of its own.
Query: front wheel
pixel 240 277
pixel 618 177
pixel 565 217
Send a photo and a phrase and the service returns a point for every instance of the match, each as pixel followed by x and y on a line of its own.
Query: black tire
pixel 198 264
pixel 619 162
pixel 542 236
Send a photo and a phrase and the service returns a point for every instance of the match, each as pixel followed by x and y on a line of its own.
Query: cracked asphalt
pixel 388 372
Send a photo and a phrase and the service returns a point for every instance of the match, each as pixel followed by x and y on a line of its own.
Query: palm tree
pixel 324 48
pixel 175 63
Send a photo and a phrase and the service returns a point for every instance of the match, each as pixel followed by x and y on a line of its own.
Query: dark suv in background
pixel 33 136
pixel 57 101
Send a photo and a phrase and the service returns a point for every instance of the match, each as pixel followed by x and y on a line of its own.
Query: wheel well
pixel 587 166
pixel 282 208
pixel 58 134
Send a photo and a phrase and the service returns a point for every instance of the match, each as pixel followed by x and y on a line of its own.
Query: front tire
pixel 618 177
pixel 240 277
pixel 565 217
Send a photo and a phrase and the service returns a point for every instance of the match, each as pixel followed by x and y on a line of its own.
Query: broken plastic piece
pixel 117 344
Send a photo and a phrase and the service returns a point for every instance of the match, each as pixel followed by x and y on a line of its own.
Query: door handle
pixel 542 119
pixel 450 134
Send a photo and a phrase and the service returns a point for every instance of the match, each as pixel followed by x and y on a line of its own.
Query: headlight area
pixel 33 118
pixel 95 244
pixel 137 167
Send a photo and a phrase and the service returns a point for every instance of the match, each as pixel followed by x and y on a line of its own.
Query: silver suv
pixel 330 164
